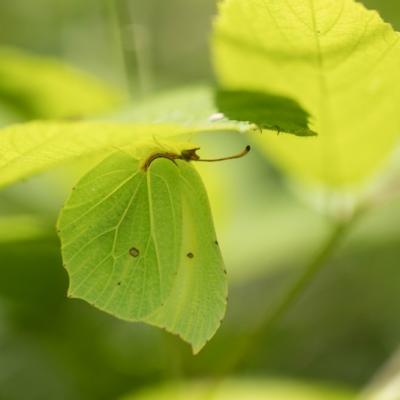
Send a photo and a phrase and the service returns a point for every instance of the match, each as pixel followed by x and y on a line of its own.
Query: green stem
pixel 306 277
pixel 339 232
pixel 250 344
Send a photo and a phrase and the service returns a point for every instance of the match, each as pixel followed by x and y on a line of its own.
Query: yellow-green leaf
pixel 27 149
pixel 336 59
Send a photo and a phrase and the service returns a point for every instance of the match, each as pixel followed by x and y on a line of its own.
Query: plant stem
pixel 300 284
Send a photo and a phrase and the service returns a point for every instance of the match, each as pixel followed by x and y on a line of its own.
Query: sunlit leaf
pixel 140 244
pixel 337 60
pixel 30 148
pixel 34 147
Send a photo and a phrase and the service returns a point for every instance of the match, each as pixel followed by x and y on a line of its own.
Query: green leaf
pixel 34 147
pixel 265 110
pixel 337 60
pixel 40 87
pixel 27 149
pixel 140 244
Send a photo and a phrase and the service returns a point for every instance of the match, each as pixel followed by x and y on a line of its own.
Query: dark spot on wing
pixel 134 252
pixel 216 243
pixel 119 283
pixel 190 255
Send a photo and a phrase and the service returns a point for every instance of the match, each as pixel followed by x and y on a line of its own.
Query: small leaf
pixel 337 60
pixel 140 244
pixel 265 110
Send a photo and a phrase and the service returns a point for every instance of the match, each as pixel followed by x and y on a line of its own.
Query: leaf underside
pixel 141 246
pixel 266 110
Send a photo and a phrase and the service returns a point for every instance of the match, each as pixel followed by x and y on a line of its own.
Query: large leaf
pixel 337 60
pixel 140 244
pixel 40 87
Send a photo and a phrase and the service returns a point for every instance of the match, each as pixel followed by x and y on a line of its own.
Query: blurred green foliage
pixel 342 331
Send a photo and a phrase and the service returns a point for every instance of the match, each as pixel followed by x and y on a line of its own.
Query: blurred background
pixel 340 338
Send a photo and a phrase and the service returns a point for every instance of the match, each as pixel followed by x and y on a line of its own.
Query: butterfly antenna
pixel 240 155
